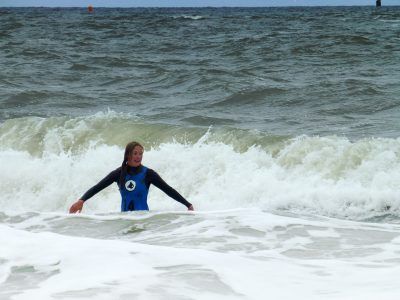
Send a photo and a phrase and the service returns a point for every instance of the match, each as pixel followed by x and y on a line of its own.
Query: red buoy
pixel 90 8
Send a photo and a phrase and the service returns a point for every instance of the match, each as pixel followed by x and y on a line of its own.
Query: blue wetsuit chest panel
pixel 134 192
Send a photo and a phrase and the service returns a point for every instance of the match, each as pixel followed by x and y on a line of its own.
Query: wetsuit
pixel 135 188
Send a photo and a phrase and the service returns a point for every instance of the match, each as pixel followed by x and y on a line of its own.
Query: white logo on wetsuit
pixel 130 185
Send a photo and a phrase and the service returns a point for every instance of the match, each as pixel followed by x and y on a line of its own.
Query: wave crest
pixel 217 169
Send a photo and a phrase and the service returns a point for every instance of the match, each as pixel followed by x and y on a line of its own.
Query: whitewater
pixel 302 217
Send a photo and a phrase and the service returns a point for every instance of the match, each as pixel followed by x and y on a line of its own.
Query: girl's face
pixel 135 158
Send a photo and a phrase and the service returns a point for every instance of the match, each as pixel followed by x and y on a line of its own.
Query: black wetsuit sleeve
pixel 153 178
pixel 105 182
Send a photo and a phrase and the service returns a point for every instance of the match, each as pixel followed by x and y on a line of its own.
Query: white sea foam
pixel 190 17
pixel 329 176
pixel 262 225
pixel 285 262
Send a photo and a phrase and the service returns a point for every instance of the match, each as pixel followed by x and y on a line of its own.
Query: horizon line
pixel 207 6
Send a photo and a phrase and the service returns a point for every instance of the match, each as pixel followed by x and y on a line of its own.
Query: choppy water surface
pixel 281 70
pixel 279 125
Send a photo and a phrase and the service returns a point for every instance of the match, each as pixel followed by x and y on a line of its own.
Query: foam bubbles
pixel 330 176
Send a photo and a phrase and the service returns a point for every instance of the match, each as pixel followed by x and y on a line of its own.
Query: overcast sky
pixel 190 3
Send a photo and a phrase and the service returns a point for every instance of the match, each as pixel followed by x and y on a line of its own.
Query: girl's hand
pixel 76 207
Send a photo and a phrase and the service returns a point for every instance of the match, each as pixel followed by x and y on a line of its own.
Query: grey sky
pixel 186 3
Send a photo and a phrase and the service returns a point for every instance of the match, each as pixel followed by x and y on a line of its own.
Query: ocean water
pixel 280 125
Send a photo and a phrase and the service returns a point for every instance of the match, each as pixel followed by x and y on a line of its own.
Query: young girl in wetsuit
pixel 134 181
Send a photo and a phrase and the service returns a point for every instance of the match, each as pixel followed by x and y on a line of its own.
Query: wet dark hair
pixel 124 167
